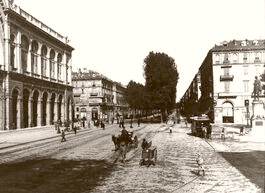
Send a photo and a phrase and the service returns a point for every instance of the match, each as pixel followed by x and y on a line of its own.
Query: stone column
pixel 48 112
pixel 56 110
pixel 70 114
pixel 30 112
pixel 39 67
pixel 29 69
pixel 48 69
pixel 19 112
pixel 39 110
pixel 18 53
pixel 63 111
pixel 55 67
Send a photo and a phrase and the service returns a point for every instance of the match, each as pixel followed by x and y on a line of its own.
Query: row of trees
pixel 159 92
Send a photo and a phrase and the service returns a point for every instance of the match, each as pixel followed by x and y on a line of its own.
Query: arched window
pixel 235 58
pixel 12 51
pixel 228 112
pixel 24 52
pixel 226 59
pixel 59 67
pixel 44 61
pixel 52 64
pixel 34 57
pixel 217 59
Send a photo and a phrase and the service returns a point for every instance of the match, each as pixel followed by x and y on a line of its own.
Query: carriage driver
pixel 125 137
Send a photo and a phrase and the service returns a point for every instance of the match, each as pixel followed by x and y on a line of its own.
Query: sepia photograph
pixel 132 96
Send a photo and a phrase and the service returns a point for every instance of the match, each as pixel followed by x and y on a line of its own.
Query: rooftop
pixel 240 45
pixel 9 5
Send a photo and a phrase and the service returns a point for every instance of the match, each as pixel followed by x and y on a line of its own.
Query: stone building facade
pixel 96 96
pixel 226 79
pixel 35 71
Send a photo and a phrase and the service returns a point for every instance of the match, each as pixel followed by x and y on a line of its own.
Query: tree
pixel 161 78
pixel 134 95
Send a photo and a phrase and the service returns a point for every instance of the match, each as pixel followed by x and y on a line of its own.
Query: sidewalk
pixel 20 136
pixel 233 132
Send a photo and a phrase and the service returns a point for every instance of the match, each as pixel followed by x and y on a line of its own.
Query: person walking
pixel 63 136
pixel 223 133
pixel 242 130
pixel 139 121
pixel 75 130
pixel 186 122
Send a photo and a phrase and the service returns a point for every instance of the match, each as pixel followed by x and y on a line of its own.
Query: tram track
pixel 48 146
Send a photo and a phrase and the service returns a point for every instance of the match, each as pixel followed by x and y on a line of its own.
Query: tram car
pixel 199 125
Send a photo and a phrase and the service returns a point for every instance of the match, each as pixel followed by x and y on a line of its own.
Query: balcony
pixel 226 77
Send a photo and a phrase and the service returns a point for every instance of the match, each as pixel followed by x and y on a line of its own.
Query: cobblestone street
pixel 176 169
pixel 231 165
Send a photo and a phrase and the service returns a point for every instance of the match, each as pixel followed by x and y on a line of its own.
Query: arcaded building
pixel 35 71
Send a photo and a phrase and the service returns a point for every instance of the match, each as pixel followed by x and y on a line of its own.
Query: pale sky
pixel 113 37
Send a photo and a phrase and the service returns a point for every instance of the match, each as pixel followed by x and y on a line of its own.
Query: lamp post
pixel 247 107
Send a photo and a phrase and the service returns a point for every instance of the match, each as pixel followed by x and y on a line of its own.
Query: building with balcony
pixel 225 82
pixel 35 71
pixel 96 96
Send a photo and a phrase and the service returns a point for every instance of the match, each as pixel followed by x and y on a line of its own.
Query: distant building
pixel 35 71
pixel 96 96
pixel 225 80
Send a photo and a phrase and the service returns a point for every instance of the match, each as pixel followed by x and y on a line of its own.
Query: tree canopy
pixel 161 77
pixel 159 91
pixel 135 95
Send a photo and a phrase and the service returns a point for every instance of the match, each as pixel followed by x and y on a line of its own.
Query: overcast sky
pixel 113 37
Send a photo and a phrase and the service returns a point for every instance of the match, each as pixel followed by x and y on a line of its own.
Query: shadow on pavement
pixel 250 164
pixel 51 175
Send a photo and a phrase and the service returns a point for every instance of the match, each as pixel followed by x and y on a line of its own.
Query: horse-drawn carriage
pixel 123 143
pixel 126 137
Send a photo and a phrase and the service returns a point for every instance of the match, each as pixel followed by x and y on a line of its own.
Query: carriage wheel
pixel 141 162
pixel 155 155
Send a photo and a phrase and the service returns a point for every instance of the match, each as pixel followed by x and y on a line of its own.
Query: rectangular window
pixel 246 86
pixel 245 70
pixel 227 87
pixel 226 71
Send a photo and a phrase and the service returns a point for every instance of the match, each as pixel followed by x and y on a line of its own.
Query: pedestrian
pixel 139 121
pixel 83 122
pixel 75 130
pixel 242 130
pixel 63 136
pixel 209 131
pixel 102 125
pixel 58 126
pixel 88 123
pixel 223 133
pixel 186 122
pixel 121 124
